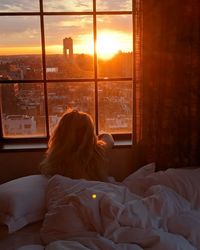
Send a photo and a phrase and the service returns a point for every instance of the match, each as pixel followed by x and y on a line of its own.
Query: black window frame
pixel 134 13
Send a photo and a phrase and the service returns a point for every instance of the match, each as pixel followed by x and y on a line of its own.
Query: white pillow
pixel 183 181
pixel 135 181
pixel 143 171
pixel 22 201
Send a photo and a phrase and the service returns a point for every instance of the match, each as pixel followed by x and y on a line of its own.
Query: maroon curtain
pixel 171 82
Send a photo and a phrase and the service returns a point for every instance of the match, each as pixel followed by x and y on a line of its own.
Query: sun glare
pixel 54 49
pixel 108 44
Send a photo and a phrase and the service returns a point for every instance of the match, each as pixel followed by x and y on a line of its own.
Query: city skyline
pixel 70 39
pixel 25 115
pixel 21 34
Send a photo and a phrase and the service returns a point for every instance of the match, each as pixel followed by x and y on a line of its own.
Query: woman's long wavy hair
pixel 74 150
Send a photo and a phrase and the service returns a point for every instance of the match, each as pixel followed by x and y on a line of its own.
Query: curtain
pixel 171 82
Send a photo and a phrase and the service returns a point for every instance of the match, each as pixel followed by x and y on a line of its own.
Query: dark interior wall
pixel 17 164
pixel 123 161
pixel 171 82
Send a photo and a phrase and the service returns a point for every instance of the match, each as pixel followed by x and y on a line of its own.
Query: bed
pixel 148 210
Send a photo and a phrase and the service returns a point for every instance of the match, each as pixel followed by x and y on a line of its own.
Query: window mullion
pixel 1 125
pixel 95 67
pixel 97 79
pixel 44 67
pixel 134 78
pixel 137 72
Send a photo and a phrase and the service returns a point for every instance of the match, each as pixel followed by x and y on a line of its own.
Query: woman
pixel 74 149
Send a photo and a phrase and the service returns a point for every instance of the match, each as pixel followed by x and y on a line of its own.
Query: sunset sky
pixel 21 34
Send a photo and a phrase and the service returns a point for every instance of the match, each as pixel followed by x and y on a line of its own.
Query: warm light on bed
pixel 94 196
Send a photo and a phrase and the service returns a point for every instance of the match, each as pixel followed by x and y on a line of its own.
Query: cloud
pixel 83 4
pixel 117 5
pixel 21 30
pixel 63 5
pixel 122 23
pixel 25 30
pixel 56 28
pixel 19 5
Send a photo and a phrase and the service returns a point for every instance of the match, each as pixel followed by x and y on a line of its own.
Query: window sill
pixel 122 143
pixel 23 146
pixel 38 146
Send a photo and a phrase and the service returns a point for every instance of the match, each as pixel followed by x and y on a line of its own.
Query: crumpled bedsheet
pixel 85 214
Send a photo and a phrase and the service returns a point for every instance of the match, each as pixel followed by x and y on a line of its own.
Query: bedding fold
pixel 111 214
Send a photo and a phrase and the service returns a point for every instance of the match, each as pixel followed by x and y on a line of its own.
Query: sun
pixel 108 44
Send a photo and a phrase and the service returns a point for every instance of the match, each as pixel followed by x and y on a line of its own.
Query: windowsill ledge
pixel 122 143
pixel 38 146
pixel 23 146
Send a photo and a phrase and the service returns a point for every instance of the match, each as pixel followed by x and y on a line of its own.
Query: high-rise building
pixel 68 48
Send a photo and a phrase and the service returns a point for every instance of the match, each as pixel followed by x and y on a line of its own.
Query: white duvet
pixel 147 211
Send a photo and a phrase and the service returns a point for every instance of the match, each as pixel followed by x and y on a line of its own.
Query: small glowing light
pixel 94 196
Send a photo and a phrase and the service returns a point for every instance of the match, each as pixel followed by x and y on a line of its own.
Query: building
pixel 68 48
pixel 19 125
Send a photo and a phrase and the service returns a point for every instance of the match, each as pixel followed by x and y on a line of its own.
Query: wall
pixel 171 82
pixel 123 161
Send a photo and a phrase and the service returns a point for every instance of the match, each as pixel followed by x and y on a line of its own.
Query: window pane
pixel 20 49
pixel 79 96
pixel 22 110
pixel 19 5
pixel 114 5
pixel 114 46
pixel 69 47
pixel 63 5
pixel 115 107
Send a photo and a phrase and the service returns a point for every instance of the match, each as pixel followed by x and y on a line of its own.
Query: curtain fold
pixel 137 69
pixel 171 82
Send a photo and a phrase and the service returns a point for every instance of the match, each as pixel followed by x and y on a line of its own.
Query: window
pixel 66 54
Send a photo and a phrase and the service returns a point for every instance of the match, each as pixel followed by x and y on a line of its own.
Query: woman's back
pixel 74 149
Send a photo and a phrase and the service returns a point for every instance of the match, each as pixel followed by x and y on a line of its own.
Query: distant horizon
pixel 22 34
pixel 57 54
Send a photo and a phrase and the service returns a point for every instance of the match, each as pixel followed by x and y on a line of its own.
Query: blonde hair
pixel 73 149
